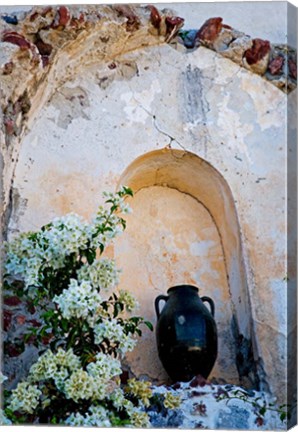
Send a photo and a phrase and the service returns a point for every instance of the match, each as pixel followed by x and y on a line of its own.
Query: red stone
pixel 198 381
pixel 133 21
pixel 16 39
pixel 173 25
pixel 174 22
pixel 77 22
pixel 292 68
pixel 112 65
pixel 64 15
pixel 46 10
pixel 7 316
pixel 21 319
pixel 35 323
pixel 13 350
pixel 33 16
pixel 47 339
pixel 12 301
pixel 155 17
pixel 44 48
pixel 259 421
pixel 200 408
pixel 275 66
pixel 9 126
pixel 30 307
pixel 210 30
pixel 260 48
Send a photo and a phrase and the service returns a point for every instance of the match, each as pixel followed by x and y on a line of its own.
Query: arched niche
pixel 166 175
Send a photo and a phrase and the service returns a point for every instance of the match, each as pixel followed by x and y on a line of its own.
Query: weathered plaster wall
pixel 109 112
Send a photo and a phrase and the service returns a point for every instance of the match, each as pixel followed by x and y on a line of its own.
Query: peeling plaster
pixel 137 104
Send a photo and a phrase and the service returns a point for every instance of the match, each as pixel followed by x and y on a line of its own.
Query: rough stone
pixel 209 31
pixel 11 301
pixel 233 418
pixel 237 48
pixel 275 65
pixel 292 68
pixel 257 57
pixel 208 411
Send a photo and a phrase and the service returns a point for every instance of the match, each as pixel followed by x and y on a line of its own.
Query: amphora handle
pixel 211 303
pixel 157 300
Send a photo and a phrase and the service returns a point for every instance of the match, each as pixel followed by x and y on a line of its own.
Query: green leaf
pixel 90 255
pixel 149 325
pixel 262 410
pixel 54 420
pixel 136 320
pixel 118 308
pixel 138 332
pixel 128 190
pixel 64 324
pixel 283 416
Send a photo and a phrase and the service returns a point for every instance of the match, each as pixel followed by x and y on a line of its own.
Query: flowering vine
pixel 76 380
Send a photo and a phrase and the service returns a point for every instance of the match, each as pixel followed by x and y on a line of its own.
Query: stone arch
pixel 189 174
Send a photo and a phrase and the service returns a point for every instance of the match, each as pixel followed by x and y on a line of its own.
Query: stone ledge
pixel 211 406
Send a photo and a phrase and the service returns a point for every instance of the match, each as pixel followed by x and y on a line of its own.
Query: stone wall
pixel 195 123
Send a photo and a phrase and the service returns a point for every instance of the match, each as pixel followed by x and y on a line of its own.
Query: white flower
pixel 79 386
pixel 55 366
pixel 118 399
pixel 76 419
pixel 108 329
pixel 59 377
pixel 24 258
pixel 25 398
pixel 127 344
pixel 102 274
pixel 128 300
pixel 44 368
pixel 98 417
pixel 93 383
pixel 66 235
pixel 68 359
pixel 140 419
pixel 112 227
pixel 78 300
pixel 105 367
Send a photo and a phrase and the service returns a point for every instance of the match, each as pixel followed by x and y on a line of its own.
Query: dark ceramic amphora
pixel 186 333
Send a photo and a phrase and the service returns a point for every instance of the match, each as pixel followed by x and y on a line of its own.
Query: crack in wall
pixel 157 127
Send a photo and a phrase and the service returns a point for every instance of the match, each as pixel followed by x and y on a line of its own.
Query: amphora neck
pixel 186 289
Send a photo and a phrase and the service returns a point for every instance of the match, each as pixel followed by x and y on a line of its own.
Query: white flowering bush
pixel 76 379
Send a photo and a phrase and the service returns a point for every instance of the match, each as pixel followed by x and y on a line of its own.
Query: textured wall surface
pixel 91 121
